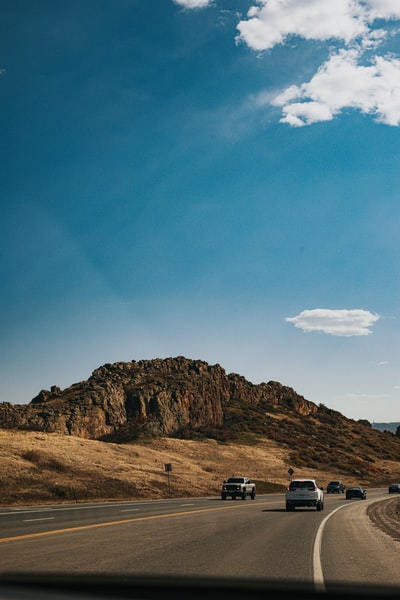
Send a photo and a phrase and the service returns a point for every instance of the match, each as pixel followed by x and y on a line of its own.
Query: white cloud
pixel 342 83
pixel 347 79
pixel 273 21
pixel 345 323
pixel 192 4
pixel 383 9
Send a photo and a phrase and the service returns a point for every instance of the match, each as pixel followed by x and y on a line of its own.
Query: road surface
pixel 203 537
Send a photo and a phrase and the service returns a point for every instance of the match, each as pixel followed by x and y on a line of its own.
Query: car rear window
pixel 308 485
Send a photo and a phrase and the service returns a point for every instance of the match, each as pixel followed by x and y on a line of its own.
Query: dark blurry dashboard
pixel 62 587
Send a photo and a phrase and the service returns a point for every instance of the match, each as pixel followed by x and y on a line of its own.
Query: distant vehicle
pixel 238 487
pixel 336 487
pixel 356 492
pixel 394 488
pixel 304 492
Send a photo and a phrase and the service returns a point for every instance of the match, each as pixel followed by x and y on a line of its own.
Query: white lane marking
pixel 20 511
pixel 40 519
pixel 29 509
pixel 14 511
pixel 129 509
pixel 192 504
pixel 318 575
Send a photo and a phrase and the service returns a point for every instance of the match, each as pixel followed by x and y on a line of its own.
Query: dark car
pixel 356 492
pixel 394 488
pixel 336 487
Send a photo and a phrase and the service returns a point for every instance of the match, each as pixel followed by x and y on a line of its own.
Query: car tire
pixel 244 496
pixel 253 495
pixel 319 506
pixel 223 497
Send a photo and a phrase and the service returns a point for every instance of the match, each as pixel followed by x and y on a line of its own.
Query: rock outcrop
pixel 164 396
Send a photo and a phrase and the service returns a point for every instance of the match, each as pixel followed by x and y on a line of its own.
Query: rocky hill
pixel 167 396
pixel 190 399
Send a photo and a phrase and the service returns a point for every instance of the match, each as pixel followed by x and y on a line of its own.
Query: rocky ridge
pixel 165 396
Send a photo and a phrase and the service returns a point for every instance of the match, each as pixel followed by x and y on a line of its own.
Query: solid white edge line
pixel 318 575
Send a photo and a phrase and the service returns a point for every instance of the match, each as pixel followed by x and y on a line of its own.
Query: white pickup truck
pixel 304 492
pixel 238 487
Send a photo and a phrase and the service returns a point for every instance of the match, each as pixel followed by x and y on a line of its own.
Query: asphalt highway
pixel 203 537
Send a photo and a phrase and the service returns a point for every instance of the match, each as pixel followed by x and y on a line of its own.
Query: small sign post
pixel 168 469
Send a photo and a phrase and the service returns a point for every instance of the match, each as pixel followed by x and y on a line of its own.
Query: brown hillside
pixel 49 467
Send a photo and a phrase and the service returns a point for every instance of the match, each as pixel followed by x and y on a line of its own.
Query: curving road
pixel 203 537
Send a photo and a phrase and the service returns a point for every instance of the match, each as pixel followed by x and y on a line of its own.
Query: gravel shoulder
pixel 385 515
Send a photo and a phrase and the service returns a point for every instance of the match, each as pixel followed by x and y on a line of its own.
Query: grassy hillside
pixel 48 468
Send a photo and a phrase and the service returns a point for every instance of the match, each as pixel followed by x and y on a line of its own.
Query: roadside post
pixel 168 469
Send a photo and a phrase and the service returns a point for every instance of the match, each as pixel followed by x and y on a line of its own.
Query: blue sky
pixel 213 179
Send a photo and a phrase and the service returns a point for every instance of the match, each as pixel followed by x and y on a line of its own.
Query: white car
pixel 304 492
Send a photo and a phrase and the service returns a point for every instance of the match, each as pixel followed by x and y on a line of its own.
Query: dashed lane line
pixel 38 519
pixel 29 536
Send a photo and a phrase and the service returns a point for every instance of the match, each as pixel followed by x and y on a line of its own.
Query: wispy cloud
pixel 355 76
pixel 344 323
pixel 193 4
pixel 353 397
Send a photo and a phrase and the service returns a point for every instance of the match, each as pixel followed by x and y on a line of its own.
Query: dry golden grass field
pixel 48 468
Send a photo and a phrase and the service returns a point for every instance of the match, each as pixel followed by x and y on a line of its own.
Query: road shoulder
pixel 385 515
pixel 356 550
